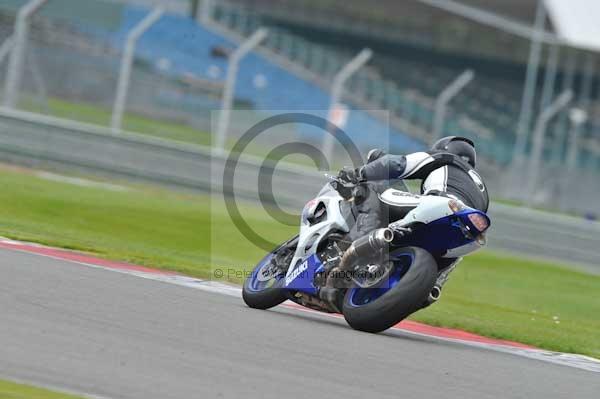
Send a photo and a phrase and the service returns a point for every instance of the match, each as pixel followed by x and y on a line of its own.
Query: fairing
pixel 437 229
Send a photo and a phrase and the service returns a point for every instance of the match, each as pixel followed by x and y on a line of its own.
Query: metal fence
pixel 62 65
pixel 72 67
pixel 501 108
pixel 40 141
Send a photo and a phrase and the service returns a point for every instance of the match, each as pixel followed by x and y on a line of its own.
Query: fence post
pixel 441 102
pixel 19 43
pixel 577 118
pixel 529 88
pixel 228 91
pixel 562 125
pixel 539 137
pixel 126 64
pixel 550 75
pixel 337 90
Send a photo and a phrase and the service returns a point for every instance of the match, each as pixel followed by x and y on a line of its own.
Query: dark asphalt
pixel 119 336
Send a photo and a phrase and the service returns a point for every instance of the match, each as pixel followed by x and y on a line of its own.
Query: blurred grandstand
pixel 420 47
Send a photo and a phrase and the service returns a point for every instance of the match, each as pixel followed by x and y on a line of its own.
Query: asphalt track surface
pixel 114 335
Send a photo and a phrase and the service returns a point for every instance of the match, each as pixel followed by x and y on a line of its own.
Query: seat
pixel 399 203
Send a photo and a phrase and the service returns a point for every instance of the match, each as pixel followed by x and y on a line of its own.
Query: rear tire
pixel 399 301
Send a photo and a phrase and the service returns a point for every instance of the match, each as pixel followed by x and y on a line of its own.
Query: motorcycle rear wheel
pixel 403 293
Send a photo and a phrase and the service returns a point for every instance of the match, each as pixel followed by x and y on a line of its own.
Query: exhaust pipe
pixel 434 295
pixel 365 246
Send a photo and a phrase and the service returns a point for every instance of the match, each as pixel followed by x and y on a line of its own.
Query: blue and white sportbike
pixel 379 279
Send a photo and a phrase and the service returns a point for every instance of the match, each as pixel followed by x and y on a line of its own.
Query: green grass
pixel 146 226
pixel 131 122
pixel 494 295
pixel 11 390
pixel 523 300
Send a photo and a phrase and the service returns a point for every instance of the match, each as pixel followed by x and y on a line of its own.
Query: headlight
pixel 480 222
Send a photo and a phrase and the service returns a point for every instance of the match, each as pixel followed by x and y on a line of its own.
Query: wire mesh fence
pixel 73 59
pixel 71 70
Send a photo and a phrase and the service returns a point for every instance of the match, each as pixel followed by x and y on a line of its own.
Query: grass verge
pixel 97 115
pixel 11 390
pixel 495 295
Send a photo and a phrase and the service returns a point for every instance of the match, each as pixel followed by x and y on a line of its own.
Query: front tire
pixel 260 292
pixel 264 299
pixel 410 282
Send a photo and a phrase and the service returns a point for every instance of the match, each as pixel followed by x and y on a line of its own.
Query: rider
pixel 447 169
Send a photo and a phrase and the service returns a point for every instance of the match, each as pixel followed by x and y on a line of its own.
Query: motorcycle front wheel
pixel 262 289
pixel 401 293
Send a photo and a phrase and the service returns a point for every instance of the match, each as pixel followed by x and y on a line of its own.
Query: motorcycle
pixel 379 279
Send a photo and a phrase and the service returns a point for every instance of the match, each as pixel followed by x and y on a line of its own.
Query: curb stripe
pixel 77 257
pixel 431 331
